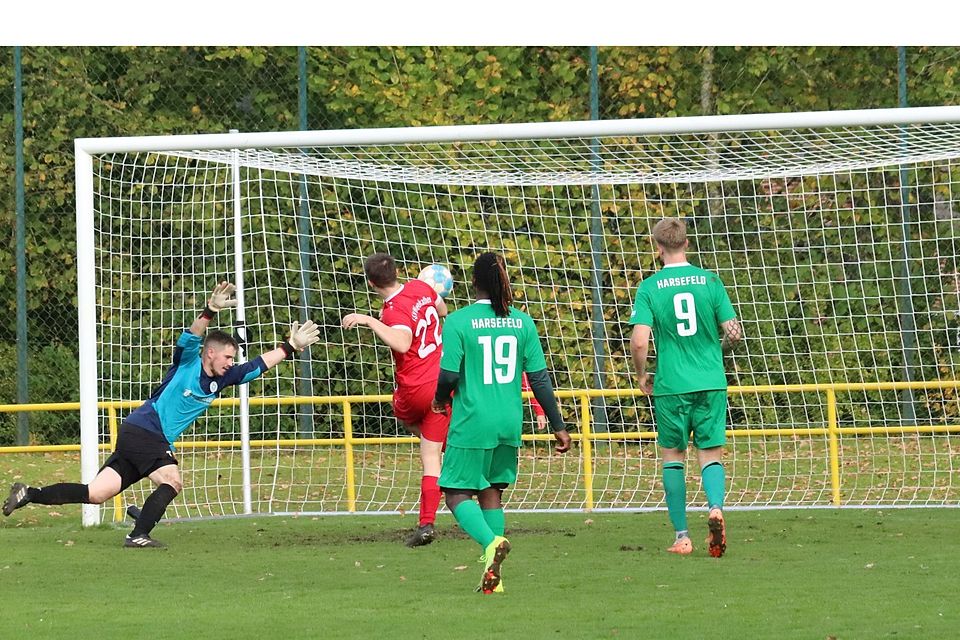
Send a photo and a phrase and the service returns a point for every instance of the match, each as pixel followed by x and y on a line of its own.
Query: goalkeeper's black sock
pixel 60 493
pixel 153 508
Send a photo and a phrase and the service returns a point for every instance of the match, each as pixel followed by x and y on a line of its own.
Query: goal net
pixel 834 232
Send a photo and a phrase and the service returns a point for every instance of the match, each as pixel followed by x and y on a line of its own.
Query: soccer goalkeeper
pixel 202 368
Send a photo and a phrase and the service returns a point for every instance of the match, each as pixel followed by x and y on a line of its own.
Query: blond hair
pixel 670 233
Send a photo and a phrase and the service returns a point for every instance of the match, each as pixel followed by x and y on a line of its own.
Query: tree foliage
pixel 110 91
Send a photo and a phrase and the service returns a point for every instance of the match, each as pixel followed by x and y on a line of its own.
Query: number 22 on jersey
pixel 429 340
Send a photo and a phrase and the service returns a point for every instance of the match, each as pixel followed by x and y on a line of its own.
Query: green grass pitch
pixel 787 574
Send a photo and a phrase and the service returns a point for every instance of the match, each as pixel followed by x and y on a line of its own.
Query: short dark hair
pixel 380 269
pixel 217 338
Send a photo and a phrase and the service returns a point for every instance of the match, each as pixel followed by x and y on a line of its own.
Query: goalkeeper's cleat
pixel 142 541
pixel 422 535
pixel 494 555
pixel 717 536
pixel 683 546
pixel 16 499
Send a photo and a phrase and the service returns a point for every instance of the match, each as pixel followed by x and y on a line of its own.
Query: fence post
pixel 587 448
pixel 905 297
pixel 348 455
pixel 832 437
pixel 23 424
pixel 597 324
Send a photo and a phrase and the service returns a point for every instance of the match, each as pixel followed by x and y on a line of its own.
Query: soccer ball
pixel 438 277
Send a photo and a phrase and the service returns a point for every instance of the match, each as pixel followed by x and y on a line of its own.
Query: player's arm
pixel 446 383
pixel 451 361
pixel 732 331
pixel 732 335
pixel 543 391
pixel 535 366
pixel 639 348
pixel 301 336
pixel 441 306
pixel 398 339
pixel 221 298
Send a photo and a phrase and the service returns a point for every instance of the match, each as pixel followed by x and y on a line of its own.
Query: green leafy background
pixel 111 91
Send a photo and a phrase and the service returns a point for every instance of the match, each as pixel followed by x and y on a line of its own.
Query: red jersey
pixel 413 307
pixel 525 386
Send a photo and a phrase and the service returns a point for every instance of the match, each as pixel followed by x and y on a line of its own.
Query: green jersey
pixel 490 353
pixel 684 305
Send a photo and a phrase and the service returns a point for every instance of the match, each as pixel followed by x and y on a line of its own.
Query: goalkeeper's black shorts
pixel 139 453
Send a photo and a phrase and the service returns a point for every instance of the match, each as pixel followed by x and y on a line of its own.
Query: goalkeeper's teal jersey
pixel 490 353
pixel 186 391
pixel 684 305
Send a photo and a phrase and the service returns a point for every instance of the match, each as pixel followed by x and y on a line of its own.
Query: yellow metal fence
pixel 586 436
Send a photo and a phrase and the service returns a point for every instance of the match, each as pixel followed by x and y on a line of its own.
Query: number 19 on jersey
pixel 499 358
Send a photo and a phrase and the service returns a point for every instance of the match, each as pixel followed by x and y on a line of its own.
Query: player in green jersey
pixel 686 308
pixel 486 348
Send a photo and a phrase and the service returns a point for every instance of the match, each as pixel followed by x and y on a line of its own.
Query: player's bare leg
pixel 104 486
pixel 167 479
pixel 431 453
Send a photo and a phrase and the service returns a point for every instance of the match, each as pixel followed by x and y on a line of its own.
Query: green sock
pixel 470 518
pixel 713 479
pixel 495 520
pixel 675 488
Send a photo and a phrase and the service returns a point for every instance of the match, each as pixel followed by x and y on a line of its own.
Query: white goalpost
pixel 836 234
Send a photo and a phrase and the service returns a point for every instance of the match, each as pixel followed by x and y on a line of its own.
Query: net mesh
pixel 838 248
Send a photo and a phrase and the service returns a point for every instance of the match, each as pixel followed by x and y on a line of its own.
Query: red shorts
pixel 411 405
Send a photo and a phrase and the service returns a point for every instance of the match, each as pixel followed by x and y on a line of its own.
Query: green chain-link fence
pixel 112 91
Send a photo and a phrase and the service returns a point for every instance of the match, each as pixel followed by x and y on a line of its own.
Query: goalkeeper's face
pixel 220 358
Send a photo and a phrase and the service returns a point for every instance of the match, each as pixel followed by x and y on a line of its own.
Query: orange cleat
pixel 683 546
pixel 717 537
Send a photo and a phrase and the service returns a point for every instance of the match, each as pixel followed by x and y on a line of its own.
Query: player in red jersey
pixel 538 412
pixel 410 325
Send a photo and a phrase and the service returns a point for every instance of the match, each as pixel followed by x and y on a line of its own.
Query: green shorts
pixel 702 412
pixel 477 469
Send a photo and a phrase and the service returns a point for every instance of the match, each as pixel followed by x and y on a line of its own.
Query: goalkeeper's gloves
pixel 301 337
pixel 221 298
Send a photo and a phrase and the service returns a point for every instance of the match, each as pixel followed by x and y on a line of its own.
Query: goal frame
pixel 86 148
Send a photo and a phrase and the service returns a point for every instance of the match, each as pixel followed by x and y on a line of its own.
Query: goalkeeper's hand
pixel 222 297
pixel 303 335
